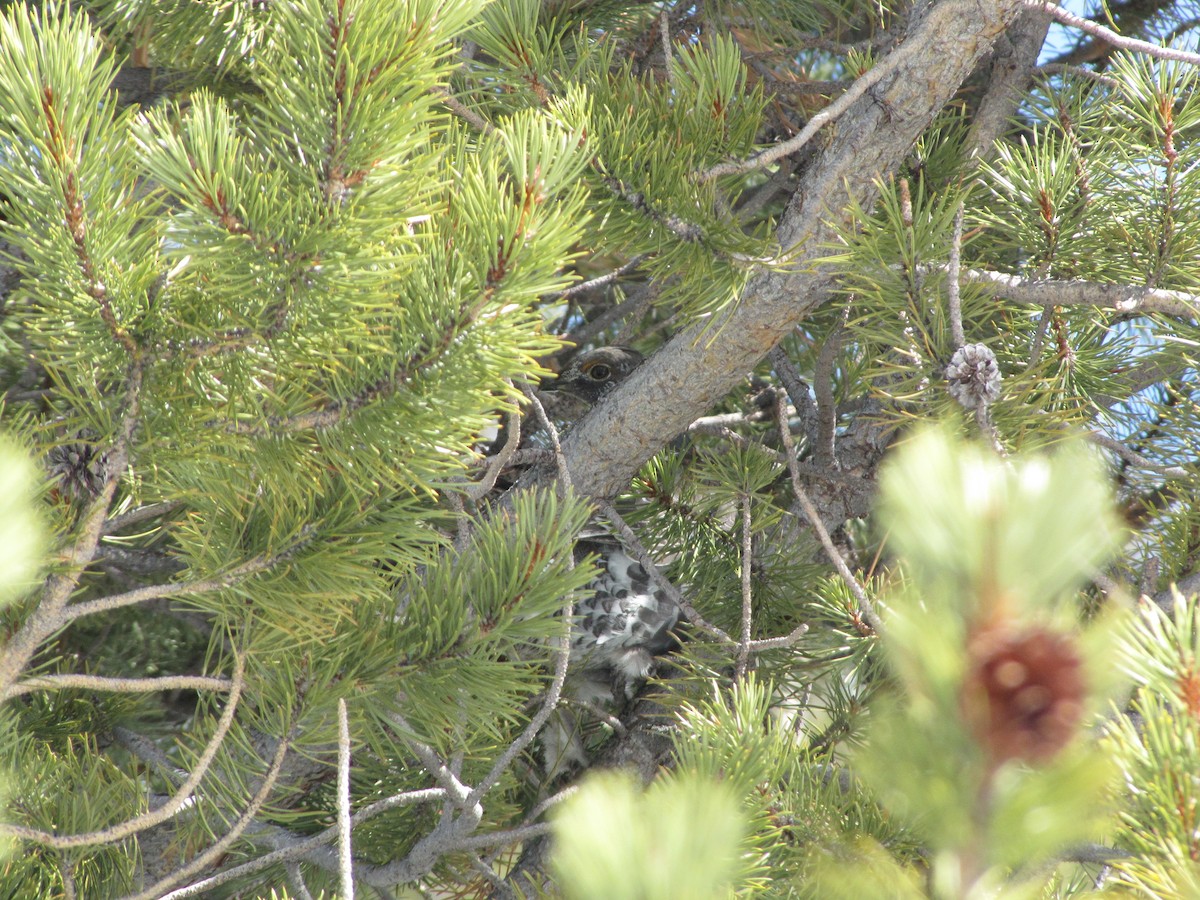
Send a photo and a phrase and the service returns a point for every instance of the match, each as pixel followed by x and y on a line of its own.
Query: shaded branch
pixel 203 860
pixel 866 608
pixel 49 614
pixel 177 801
pixel 180 589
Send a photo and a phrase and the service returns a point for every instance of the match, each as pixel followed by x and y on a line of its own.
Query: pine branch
pixel 1131 456
pixel 706 361
pixel 50 613
pixel 179 800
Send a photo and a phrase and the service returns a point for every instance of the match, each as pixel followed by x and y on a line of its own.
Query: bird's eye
pixel 599 372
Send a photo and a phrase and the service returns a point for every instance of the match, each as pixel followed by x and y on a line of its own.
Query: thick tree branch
pixel 1007 77
pixel 704 362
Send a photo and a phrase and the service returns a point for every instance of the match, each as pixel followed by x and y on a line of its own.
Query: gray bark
pixel 704 362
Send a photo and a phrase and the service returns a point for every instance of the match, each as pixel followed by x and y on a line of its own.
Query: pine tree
pixel 280 284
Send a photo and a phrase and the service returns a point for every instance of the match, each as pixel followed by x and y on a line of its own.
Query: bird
pixel 593 373
pixel 588 378
pixel 623 621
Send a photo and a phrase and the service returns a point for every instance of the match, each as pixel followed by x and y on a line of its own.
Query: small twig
pixel 599 281
pixel 562 657
pixel 866 609
pixel 766 157
pixel 808 88
pixel 632 544
pixel 688 232
pixel 560 461
pixel 308 845
pixel 716 423
pixel 553 800
pixel 983 419
pixel 743 654
pixel 764 193
pixel 202 861
pixel 796 388
pixel 778 643
pixel 487 872
pixel 345 852
pixel 468 115
pixel 664 31
pixel 455 790
pixel 1109 36
pixel 632 306
pixel 179 589
pixel 492 838
pixel 120 685
pixel 738 440
pixel 296 883
pixel 1039 336
pixel 953 289
pixel 599 713
pixel 134 516
pixel 1078 71
pixel 182 796
pixel 148 752
pixel 501 459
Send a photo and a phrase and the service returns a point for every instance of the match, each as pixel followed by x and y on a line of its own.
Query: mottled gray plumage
pixel 623 620
pixel 594 373
pixel 621 624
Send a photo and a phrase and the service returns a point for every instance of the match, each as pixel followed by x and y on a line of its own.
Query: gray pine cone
pixel 973 376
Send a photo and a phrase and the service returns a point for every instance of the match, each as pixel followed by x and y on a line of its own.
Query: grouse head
pixel 594 373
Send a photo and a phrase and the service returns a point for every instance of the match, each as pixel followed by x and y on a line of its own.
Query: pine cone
pixel 974 376
pixel 1024 692
pixel 79 468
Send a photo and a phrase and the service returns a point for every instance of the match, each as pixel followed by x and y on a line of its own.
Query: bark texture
pixel 703 363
